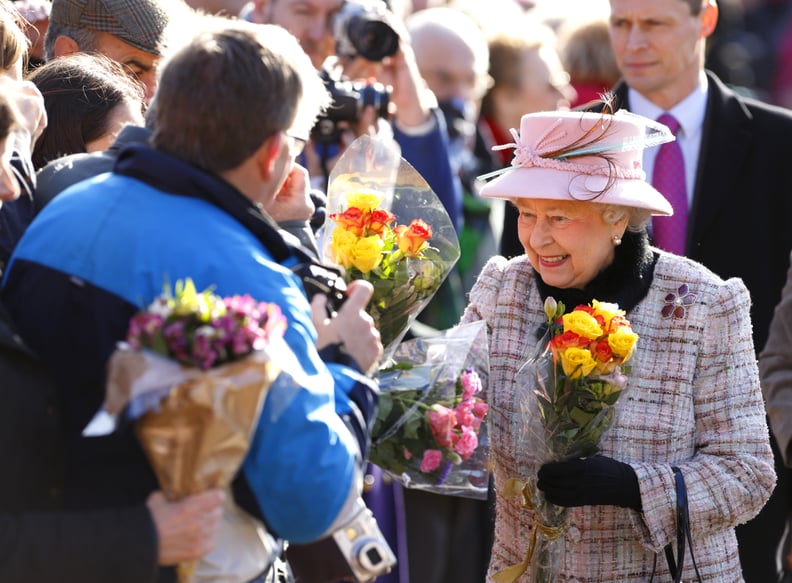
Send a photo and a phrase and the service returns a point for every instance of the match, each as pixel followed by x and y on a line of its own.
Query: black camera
pixel 361 28
pixel 325 280
pixel 349 99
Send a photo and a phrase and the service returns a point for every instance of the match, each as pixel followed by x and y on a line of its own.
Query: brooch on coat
pixel 676 304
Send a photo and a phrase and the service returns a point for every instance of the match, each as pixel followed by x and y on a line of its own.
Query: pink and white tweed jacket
pixel 693 401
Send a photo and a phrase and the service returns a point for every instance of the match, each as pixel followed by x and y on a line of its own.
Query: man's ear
pixel 268 153
pixel 65 45
pixel 709 18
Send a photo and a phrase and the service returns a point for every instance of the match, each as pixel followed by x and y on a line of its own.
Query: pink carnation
pixel 467 443
pixel 442 421
pixel 480 409
pixel 471 383
pixel 431 460
pixel 464 413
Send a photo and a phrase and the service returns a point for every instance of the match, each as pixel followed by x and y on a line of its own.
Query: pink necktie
pixel 669 178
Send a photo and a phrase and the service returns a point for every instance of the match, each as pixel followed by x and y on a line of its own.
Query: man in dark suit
pixel 738 177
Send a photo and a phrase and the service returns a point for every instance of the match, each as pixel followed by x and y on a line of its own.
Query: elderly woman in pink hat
pixel 693 403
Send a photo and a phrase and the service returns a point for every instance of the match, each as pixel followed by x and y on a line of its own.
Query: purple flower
pixel 205 330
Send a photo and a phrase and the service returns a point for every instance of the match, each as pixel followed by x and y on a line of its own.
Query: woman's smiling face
pixel 567 242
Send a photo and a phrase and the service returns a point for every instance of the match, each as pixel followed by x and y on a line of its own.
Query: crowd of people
pixel 146 141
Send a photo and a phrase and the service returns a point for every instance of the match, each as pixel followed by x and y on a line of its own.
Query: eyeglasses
pixel 296 144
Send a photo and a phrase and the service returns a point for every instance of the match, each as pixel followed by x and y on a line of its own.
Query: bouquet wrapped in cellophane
pixel 387 226
pixel 193 375
pixel 430 432
pixel 570 389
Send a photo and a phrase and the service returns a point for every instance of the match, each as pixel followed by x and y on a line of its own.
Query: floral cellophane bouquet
pixel 430 431
pixel 193 375
pixel 387 226
pixel 571 387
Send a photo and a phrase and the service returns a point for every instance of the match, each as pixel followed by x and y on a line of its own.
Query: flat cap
pixel 139 23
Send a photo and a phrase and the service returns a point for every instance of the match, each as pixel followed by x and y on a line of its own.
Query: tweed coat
pixel 693 401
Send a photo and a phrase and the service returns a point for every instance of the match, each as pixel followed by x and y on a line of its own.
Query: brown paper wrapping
pixel 200 435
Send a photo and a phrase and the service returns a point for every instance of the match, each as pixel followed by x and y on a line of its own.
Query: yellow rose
pixel 622 342
pixel 607 310
pixel 365 200
pixel 582 324
pixel 577 362
pixel 367 253
pixel 342 246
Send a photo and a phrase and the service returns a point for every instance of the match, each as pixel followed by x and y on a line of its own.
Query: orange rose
pixel 379 221
pixel 353 219
pixel 414 238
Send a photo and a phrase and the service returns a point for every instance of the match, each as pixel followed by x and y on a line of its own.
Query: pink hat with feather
pixel 582 156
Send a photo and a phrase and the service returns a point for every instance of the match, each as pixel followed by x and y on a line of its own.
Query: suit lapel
pixel 725 141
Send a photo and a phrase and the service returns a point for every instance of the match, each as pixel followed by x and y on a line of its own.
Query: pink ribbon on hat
pixel 527 156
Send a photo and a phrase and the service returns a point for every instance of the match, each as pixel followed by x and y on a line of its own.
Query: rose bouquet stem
pixel 551 524
pixel 185 571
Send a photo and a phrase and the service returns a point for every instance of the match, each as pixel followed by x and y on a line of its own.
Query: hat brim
pixel 552 184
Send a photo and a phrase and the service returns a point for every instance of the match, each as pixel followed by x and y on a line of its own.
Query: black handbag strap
pixel 676 565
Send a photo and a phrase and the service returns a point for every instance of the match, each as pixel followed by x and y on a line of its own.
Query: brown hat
pixel 139 23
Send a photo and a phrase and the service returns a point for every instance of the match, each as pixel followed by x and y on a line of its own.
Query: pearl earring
pixel 616 240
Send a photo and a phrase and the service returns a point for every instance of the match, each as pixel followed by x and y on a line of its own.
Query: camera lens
pixel 370 557
pixel 372 38
pixel 375 94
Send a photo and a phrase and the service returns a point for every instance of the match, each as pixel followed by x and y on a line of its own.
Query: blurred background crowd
pixel 471 68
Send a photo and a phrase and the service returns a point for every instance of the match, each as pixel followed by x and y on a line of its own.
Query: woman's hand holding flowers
pixel 351 327
pixel 593 481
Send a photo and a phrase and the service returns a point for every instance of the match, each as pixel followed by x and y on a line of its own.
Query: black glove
pixel 590 482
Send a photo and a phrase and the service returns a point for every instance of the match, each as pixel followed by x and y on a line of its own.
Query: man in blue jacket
pixel 190 206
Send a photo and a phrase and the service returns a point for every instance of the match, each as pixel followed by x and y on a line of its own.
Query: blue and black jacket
pixel 103 250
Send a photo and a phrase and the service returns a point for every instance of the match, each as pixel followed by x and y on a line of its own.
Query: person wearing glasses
pixel 194 204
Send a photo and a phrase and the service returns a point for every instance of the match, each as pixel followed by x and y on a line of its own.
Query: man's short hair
pixel 139 23
pixel 223 94
pixel 696 6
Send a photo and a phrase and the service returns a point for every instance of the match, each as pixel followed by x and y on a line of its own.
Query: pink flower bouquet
pixel 430 430
pixel 193 376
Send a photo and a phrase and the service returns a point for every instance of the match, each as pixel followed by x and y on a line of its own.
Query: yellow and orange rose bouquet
pixel 571 387
pixel 387 226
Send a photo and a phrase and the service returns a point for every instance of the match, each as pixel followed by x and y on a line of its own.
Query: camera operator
pixel 414 120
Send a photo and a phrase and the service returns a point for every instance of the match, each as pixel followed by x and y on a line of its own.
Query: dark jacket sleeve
pixel 118 545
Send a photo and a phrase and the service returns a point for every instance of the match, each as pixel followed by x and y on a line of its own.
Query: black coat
pixel 38 544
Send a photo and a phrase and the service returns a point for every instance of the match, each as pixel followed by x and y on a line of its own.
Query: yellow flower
pixel 367 253
pixel 365 200
pixel 607 310
pixel 622 342
pixel 342 246
pixel 577 362
pixel 583 324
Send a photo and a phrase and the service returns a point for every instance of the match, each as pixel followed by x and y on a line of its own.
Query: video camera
pixel 361 28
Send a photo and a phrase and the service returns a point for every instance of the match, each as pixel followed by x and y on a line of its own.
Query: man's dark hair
pixel 221 96
pixel 81 92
